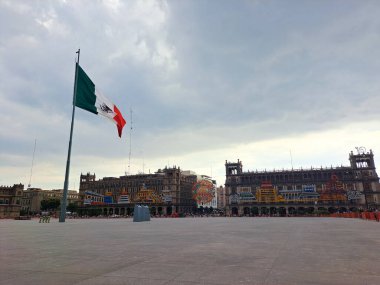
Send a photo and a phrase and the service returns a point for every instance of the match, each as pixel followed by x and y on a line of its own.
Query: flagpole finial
pixel 78 52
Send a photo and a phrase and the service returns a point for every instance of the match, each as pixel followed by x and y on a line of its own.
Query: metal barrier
pixel 372 216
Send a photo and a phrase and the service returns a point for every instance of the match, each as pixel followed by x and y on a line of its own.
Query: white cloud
pixel 164 56
pixel 18 7
pixel 53 26
pixel 112 5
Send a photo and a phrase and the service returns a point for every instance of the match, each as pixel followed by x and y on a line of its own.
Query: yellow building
pixel 268 194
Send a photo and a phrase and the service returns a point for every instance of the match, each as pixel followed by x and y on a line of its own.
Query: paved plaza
pixel 191 251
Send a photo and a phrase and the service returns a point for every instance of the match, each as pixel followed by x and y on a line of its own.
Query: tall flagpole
pixel 31 169
pixel 62 215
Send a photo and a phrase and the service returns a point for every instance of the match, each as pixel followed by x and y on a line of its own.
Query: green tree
pixel 72 207
pixel 50 204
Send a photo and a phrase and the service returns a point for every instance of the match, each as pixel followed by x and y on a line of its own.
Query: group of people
pixel 44 219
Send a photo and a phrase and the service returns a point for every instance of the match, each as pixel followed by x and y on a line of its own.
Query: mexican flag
pixel 89 98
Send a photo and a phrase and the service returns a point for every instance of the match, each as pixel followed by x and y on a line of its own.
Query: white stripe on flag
pixel 104 106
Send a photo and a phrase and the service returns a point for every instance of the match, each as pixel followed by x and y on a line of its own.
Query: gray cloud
pixel 199 76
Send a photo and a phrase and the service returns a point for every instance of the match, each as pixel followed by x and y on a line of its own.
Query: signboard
pixel 167 198
pixel 234 199
pixel 97 203
pixel 123 199
pixel 354 195
pixel 247 197
pixel 93 194
pixel 108 199
pixel 203 192
pixel 308 188
pixel 244 189
pixel 92 198
pixel 87 202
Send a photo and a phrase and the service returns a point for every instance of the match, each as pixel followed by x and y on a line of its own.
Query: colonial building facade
pixel 10 200
pixel 221 204
pixel 297 191
pixel 167 191
pixel 32 197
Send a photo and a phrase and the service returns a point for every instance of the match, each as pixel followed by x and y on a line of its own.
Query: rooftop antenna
pixel 291 162
pixel 291 158
pixel 130 145
pixel 31 169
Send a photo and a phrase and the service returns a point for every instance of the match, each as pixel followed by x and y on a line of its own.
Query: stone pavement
pixel 191 251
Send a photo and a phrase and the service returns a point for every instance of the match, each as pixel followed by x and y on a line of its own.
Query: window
pixel 361 164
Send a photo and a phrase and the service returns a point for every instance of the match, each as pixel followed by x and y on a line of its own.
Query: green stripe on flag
pixel 85 92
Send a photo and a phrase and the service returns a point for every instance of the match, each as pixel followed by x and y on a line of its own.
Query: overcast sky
pixel 268 82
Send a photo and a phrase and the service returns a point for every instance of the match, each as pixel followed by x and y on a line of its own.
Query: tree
pixel 94 212
pixel 50 204
pixel 72 207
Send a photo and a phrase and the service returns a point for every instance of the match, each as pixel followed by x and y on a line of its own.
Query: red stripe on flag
pixel 120 122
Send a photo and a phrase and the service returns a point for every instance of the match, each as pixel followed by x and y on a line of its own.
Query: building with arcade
pixel 303 191
pixel 166 191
